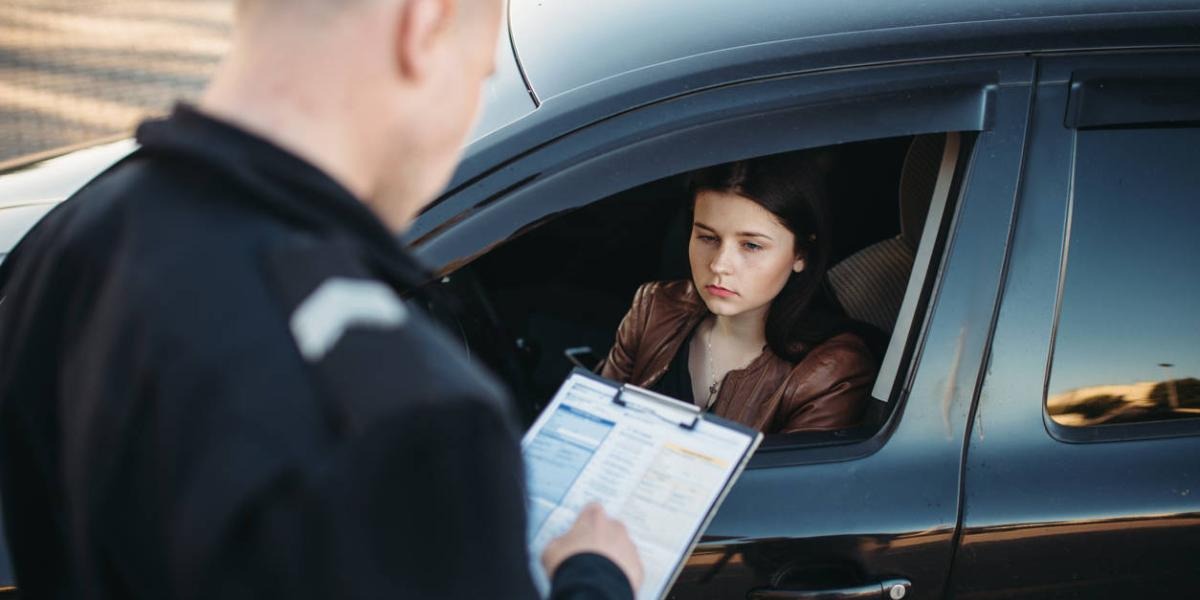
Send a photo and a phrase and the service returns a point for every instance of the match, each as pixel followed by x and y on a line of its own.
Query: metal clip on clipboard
pixel 663 407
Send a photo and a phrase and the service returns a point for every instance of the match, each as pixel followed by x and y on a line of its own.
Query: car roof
pixel 51 180
pixel 562 45
pixel 29 190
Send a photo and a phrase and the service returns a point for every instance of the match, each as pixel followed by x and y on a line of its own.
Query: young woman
pixel 750 336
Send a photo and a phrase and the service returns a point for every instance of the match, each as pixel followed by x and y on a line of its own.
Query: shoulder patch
pixel 339 304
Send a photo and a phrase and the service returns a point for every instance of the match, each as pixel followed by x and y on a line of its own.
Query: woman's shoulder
pixel 676 293
pixel 845 352
pixel 663 307
pixel 660 310
pixel 829 387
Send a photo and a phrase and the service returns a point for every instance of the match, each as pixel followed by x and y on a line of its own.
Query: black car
pixel 1016 193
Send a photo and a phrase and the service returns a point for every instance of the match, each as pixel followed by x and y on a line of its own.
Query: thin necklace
pixel 712 373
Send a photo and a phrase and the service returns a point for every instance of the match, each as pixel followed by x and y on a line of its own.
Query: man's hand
pixel 595 532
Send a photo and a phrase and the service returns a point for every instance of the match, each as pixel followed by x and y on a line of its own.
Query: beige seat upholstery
pixel 870 283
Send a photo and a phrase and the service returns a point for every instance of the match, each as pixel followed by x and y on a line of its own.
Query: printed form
pixel 634 457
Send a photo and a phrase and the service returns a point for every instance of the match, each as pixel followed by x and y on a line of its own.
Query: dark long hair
pixel 791 187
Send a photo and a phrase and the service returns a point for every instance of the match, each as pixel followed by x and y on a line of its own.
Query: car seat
pixel 870 283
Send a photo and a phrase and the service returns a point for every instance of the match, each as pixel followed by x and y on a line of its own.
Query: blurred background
pixel 74 71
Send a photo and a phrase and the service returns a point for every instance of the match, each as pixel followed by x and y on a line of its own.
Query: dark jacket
pixel 827 389
pixel 210 387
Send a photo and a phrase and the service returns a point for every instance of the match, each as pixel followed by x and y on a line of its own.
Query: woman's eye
pixel 708 239
pixel 751 246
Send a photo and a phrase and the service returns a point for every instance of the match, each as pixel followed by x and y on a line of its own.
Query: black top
pixel 210 387
pixel 677 381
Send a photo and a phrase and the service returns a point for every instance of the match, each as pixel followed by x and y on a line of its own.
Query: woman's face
pixel 741 254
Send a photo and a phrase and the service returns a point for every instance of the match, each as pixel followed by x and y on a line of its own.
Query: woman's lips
pixel 719 291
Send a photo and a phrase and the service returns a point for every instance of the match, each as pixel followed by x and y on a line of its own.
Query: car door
pixel 877 517
pixel 820 513
pixel 1081 474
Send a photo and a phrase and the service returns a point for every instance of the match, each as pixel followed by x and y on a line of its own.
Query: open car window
pixel 553 244
pixel 551 299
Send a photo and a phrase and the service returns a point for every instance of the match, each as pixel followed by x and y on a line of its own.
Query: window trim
pixel 1111 98
pixel 948 172
pixel 759 118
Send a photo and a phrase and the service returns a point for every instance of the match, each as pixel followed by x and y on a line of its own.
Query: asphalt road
pixel 78 70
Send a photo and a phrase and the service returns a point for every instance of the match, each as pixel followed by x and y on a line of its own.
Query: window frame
pixel 785 113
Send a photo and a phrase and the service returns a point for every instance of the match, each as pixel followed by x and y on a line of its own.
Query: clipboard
pixel 661 466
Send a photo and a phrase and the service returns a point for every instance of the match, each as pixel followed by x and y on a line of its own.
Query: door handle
pixel 888 589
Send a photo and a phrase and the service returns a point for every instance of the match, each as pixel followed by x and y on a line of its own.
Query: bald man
pixel 210 385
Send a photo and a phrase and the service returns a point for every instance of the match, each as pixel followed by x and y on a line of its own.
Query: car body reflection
pixel 1142 401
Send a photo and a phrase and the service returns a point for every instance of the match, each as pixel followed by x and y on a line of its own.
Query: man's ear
pixel 421 26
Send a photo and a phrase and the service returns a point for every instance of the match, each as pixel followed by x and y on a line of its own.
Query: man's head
pixel 379 93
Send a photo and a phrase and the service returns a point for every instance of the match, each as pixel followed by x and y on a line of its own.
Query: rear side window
pixel 1127 345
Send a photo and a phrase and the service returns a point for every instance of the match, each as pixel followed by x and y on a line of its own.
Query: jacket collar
pixel 281 183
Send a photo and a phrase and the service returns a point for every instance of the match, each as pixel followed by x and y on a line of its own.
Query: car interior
pixel 551 299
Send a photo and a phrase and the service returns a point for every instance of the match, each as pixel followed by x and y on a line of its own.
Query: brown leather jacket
pixel 827 389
